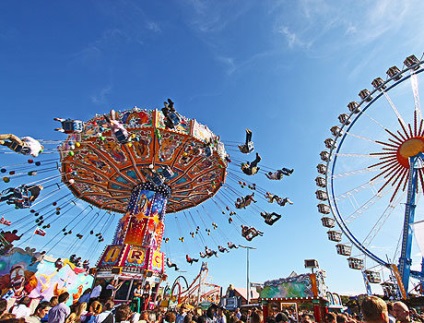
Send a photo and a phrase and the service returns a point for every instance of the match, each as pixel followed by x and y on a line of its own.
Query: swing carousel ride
pixel 135 165
pixel 371 182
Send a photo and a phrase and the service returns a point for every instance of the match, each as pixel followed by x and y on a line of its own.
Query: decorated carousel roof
pixel 103 172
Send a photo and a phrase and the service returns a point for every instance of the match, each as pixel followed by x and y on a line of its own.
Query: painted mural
pixel 299 286
pixel 30 273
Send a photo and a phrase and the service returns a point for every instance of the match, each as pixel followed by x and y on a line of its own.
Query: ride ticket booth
pixel 293 292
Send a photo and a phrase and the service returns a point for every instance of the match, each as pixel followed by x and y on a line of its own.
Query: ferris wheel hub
pixel 411 147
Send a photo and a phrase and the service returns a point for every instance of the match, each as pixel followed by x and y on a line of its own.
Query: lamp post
pixel 247 270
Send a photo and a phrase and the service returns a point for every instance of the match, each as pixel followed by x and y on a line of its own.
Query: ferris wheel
pixel 371 178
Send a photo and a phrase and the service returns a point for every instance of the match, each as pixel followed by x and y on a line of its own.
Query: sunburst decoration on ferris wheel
pixel 394 160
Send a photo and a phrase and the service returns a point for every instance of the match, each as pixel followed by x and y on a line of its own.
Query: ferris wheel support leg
pixel 405 257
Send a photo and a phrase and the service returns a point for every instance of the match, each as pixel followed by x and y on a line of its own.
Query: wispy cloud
pixel 310 24
pixel 96 49
pixel 101 98
pixel 207 16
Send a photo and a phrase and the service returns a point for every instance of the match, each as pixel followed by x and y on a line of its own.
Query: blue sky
pixel 285 69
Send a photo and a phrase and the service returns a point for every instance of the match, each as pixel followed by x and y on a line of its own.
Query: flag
pixel 40 232
pixel 4 221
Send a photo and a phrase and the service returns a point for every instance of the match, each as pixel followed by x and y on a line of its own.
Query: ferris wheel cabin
pixel 334 235
pixel 323 208
pixel 328 222
pixel 355 263
pixel 343 249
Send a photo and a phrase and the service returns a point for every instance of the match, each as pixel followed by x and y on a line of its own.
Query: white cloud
pixel 101 97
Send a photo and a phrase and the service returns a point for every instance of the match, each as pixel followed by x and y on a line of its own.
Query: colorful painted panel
pixel 157 261
pixel 27 272
pixel 112 256
pixel 298 286
pixel 136 258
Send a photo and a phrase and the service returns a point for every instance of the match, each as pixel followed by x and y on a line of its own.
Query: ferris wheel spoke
pixel 415 91
pixel 348 133
pixel 352 173
pixel 403 181
pixel 356 155
pixel 395 177
pixel 361 209
pixel 382 220
pixel 356 189
pixel 386 163
pixel 393 106
pixel 399 140
pixel 405 134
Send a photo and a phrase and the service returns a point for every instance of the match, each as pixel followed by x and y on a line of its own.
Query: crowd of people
pixel 95 306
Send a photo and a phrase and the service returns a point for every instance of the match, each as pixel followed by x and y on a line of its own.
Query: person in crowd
pixel 401 312
pixel 72 318
pixel 95 309
pixel 281 318
pixel 85 297
pixel 107 315
pixel 22 309
pixel 305 318
pixel 374 310
pixel 330 318
pixel 220 315
pixel 53 302
pixel 144 317
pixel 40 312
pixel 60 312
pixel 392 318
pixel 170 317
pixel 255 317
pixel 123 314
pixel 95 293
pixel 80 310
pixel 182 313
pixel 111 288
pixel 341 318
pixel 237 313
pixel 145 296
pixel 137 298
